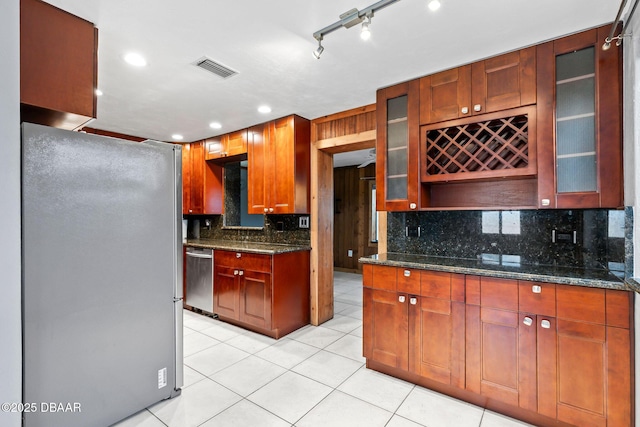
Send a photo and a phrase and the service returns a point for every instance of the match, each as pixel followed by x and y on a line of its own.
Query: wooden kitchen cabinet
pixel 202 191
pixel 228 145
pixel 262 292
pixel 414 321
pixel 495 84
pixel 58 66
pixel 397 147
pixel 579 122
pixel 279 162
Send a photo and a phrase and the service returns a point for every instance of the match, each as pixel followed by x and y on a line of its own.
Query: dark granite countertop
pixel 542 273
pixel 244 246
pixel 633 283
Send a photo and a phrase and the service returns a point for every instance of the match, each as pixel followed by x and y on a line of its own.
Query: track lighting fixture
pixel 623 33
pixel 349 19
pixel 319 50
pixel 365 33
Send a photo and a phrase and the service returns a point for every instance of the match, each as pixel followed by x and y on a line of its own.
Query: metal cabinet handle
pixel 413 300
pixel 412 206
pixel 528 321
pixel 407 273
pixel 238 255
pixel 270 209
pixel 477 108
pixel 241 273
pixel 235 272
pixel 545 202
pixel 266 210
pixel 536 289
pixel 545 324
pixel 402 298
pixel 464 110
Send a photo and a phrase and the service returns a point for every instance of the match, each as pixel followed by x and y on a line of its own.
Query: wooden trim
pixel 340 144
pixel 353 112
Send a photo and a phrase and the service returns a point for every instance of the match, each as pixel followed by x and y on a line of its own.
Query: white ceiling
pixel 270 42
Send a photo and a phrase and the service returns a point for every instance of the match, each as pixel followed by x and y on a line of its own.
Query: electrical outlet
pixel 350 253
pixel 303 222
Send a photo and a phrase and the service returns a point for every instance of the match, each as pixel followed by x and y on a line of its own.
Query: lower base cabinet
pixel 548 354
pixel 265 293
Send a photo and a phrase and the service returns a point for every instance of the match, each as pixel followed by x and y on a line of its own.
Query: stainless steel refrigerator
pixel 102 276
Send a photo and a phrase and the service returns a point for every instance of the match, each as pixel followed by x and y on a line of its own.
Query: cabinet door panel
pixel 443 95
pixel 197 178
pixel 504 82
pixel 386 339
pixel 438 341
pixel 257 180
pixel 282 145
pixel 186 178
pixel 582 395
pixel 255 303
pixel 226 292
pixel 236 143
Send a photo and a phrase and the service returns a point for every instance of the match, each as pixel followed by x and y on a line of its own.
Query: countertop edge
pixel 563 280
pixel 633 283
pixel 249 247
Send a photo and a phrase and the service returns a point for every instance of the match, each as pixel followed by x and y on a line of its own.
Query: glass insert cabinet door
pixel 397 162
pixel 576 156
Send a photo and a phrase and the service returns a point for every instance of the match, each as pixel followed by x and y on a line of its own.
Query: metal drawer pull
pixel 465 110
pixel 401 298
pixel 241 273
pixel 412 206
pixel 238 255
pixel 477 107
pixel 545 324
pixel 528 321
pixel 537 289
pixel 413 301
pixel 235 272
pixel 407 273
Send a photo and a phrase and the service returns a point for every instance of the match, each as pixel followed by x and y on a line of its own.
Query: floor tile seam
pixel 220 412
pixel 346 333
pixel 155 416
pixel 413 388
pixel 236 362
pixel 322 348
pixel 201 350
pixel 314 406
pixel 228 343
pixel 393 412
pixel 306 358
pixel 328 385
pixel 350 358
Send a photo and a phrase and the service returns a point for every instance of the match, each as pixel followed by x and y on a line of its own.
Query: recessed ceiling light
pixel 434 5
pixel 135 59
pixel 264 109
pixel 98 92
pixel 215 125
pixel 177 137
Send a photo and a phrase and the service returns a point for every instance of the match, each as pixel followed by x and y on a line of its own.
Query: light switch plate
pixel 304 222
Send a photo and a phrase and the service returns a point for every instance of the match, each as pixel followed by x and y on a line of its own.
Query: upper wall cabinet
pixel 397 146
pixel 279 163
pixel 201 182
pixel 579 123
pixel 495 84
pixel 232 144
pixel 58 66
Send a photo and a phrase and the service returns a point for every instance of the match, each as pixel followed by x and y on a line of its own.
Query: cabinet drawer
pixel 243 260
pixel 537 298
pixel 408 281
pixel 581 303
pixel 384 278
pixel 499 293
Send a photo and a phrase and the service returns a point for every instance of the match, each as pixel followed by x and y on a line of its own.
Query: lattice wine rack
pixel 496 147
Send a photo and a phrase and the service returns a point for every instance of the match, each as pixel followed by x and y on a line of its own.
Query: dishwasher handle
pixel 196 255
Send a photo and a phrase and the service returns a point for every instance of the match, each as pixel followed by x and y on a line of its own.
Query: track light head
pixel 319 50
pixel 365 34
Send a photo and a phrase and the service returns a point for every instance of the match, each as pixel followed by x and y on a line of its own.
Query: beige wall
pixel 10 271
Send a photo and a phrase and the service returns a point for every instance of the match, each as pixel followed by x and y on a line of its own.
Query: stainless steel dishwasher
pixel 200 279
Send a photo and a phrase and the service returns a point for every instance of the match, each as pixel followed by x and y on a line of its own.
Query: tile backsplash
pixel 282 229
pixel 593 238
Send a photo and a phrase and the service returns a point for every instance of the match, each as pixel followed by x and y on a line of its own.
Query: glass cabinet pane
pixel 397 148
pixel 575 122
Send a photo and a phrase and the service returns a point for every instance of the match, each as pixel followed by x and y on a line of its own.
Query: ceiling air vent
pixel 214 67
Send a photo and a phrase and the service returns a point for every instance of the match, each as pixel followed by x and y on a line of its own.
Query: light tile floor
pixel 313 377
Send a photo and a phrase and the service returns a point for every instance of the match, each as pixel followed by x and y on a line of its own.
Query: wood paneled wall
pixel 352 220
